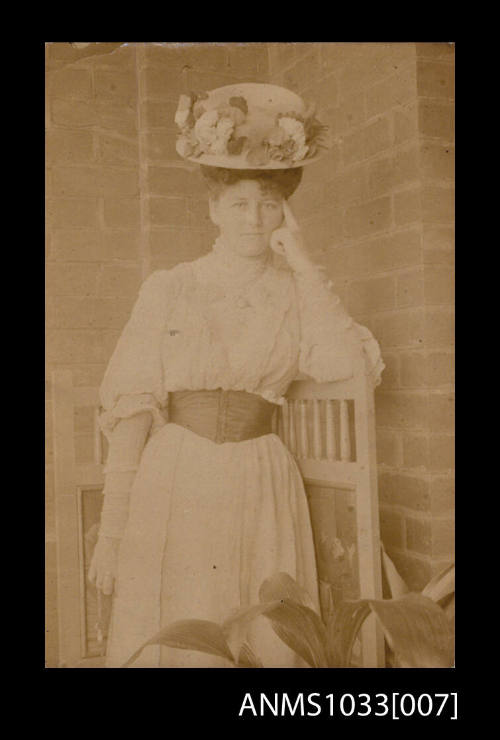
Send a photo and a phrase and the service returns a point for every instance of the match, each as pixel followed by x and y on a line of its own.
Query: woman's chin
pixel 252 246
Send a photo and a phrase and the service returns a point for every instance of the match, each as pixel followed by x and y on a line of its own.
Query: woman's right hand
pixel 104 564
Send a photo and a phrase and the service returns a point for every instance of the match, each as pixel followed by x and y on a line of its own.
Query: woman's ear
pixel 213 210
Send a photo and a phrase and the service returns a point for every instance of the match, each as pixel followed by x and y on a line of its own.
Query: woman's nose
pixel 254 216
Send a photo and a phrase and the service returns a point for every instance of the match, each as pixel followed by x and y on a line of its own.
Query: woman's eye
pixel 239 205
pixel 271 205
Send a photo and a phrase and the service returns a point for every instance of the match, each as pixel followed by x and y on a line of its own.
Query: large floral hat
pixel 248 126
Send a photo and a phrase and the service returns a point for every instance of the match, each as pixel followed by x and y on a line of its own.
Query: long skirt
pixel 208 523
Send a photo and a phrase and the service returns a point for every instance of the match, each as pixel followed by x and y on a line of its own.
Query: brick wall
pixel 377 211
pixel 120 203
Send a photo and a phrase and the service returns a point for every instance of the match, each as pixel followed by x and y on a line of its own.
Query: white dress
pixel 209 522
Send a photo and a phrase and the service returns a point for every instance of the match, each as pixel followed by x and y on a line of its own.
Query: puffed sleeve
pixel 330 338
pixel 133 381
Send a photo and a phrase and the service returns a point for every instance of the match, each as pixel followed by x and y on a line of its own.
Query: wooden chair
pixel 328 427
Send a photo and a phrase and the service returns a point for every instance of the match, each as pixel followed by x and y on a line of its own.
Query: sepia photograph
pixel 249 389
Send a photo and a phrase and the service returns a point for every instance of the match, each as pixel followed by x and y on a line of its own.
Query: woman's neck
pixel 238 268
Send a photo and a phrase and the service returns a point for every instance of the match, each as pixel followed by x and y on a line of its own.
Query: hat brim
pixel 240 162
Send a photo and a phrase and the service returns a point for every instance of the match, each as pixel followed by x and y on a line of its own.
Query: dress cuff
pixel 128 406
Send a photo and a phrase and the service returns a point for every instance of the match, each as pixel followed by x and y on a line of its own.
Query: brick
pixel 377 137
pixel 77 213
pixel 442 452
pixel 73 113
pixel 414 570
pixel 161 146
pixel 419 536
pixel 321 231
pixel 198 214
pixel 440 368
pixel 403 329
pixel 413 370
pixel 69 83
pixel 168 211
pixel 309 198
pixel 402 249
pixel 118 149
pixel 368 218
pixel 109 340
pixel 405 123
pixel 69 181
pixel 327 99
pixel 407 206
pixel 281 55
pixel 123 212
pixel 374 294
pixel 443 538
pixel 201 55
pixel 389 448
pixel 343 114
pixel 242 60
pixel 119 280
pixel 416 454
pixel 71 279
pixel 410 288
pixel 298 76
pixel 435 49
pixel 439 326
pixel 115 85
pixel 406 166
pixel 408 491
pixel 391 528
pixel 69 312
pixel 77 245
pixel 165 83
pixel 400 410
pixel 65 51
pixel 85 373
pixel 112 313
pixel 439 237
pixel 348 187
pixel 439 285
pixel 118 117
pixel 74 346
pixel 436 119
pixel 442 492
pixel 435 79
pixel 122 245
pixel 175 181
pixel 171 246
pixel 441 412
pixel 353 147
pixel 63 146
pixel 121 57
pixel 398 89
pixel 158 114
pixel 390 376
pixel 437 161
pixel 196 80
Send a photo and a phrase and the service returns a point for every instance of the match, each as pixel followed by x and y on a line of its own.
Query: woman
pixel 202 501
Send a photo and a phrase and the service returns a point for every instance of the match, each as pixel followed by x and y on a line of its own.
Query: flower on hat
pixel 213 132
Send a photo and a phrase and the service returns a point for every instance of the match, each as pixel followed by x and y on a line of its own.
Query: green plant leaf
pixel 282 586
pixel 235 627
pixel 247 658
pixel 417 630
pixel 397 586
pixel 442 585
pixel 302 630
pixel 342 627
pixel 190 634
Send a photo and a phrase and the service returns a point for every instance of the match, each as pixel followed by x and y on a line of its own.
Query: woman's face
pixel 247 216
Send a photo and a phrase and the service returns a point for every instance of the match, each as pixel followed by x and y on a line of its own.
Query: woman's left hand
pixel 289 242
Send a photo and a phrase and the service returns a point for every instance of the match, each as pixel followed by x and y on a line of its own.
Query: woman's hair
pixel 284 181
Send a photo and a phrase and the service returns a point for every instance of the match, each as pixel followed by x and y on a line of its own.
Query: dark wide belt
pixel 222 416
